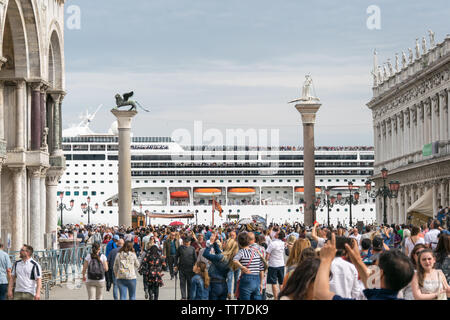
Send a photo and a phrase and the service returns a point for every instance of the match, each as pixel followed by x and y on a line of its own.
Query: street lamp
pixel 61 206
pixel 86 208
pixel 352 199
pixel 328 202
pixel 384 191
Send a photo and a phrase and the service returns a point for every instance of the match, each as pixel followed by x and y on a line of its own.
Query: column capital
pixel 20 83
pixel 17 169
pixel 124 118
pixel 57 95
pixel 53 176
pixel 35 171
pixel 36 86
pixel 44 172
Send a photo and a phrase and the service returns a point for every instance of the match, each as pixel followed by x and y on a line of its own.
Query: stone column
pixel 388 139
pixel 35 116
pixel 406 133
pixel 43 203
pixel 43 111
pixel 308 110
pixel 124 126
pixel 51 182
pixel 17 220
pixel 429 137
pixel 443 119
pixel 394 137
pixel 2 117
pixel 20 115
pixel 420 124
pixel 433 119
pixel 56 125
pixel 35 207
pixel 435 206
pixel 401 135
pixel 401 206
pixel 442 192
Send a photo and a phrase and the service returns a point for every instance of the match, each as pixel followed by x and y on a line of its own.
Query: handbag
pixel 236 293
pixel 266 264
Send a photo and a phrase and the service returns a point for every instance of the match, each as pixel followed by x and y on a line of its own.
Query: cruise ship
pixel 172 182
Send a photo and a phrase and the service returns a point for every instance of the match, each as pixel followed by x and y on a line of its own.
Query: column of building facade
pixel 44 132
pixel 413 130
pixel 421 126
pixel 443 196
pixel 407 201
pixel 20 115
pixel 2 142
pixel 376 141
pixel 429 112
pixel 400 128
pixel 406 132
pixel 43 203
pixel 388 139
pixel 434 118
pixel 35 207
pixel 393 136
pixel 400 205
pixel 383 146
pixel 447 99
pixel 443 119
pixel 35 118
pixel 17 219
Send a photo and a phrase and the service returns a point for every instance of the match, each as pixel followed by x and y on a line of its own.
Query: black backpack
pixel 96 270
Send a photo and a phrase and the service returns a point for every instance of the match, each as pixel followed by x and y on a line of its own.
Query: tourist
pixel 366 245
pixel 396 271
pixel 378 247
pixel 200 282
pixel 111 258
pixel 220 267
pixel 275 256
pixel 319 236
pixel 112 244
pixel 355 235
pixel 295 254
pixel 26 275
pixel 289 244
pixel 443 255
pixel 151 269
pixel 124 270
pixel 431 237
pixel 5 273
pixel 170 249
pixel 429 283
pixel 413 240
pixel 185 260
pixel 146 239
pixel 95 265
pixel 344 281
pixel 407 293
pixel 251 282
pixel 300 285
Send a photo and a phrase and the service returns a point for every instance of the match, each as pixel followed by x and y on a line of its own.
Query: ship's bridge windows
pixel 76 193
pixel 85 193
pixel 97 147
pixel 102 181
pixel 102 173
pixel 110 181
pixel 102 193
pixel 80 147
pixel 84 182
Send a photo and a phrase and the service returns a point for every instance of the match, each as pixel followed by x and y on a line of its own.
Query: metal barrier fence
pixel 59 266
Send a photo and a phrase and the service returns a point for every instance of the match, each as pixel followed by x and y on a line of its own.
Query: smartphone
pixel 341 241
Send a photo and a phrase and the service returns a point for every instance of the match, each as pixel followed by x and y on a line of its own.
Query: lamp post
pixel 61 207
pixel 384 191
pixel 328 201
pixel 86 208
pixel 352 199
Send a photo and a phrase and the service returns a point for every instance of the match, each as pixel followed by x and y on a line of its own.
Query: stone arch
pixel 55 59
pixel 14 46
pixel 32 32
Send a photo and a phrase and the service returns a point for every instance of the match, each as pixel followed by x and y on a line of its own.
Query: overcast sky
pixel 236 63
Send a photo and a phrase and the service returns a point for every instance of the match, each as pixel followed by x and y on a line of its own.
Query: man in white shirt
pixel 27 275
pixel 431 237
pixel 275 257
pixel 344 278
pixel 355 235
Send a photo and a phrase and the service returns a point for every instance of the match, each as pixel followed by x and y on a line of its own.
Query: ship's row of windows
pixel 259 165
pixel 85 173
pixel 115 139
pixel 77 193
pixel 249 173
pixel 85 181
pixel 85 165
pixel 245 157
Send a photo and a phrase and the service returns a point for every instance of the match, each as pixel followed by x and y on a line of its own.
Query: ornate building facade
pixel 411 126
pixel 31 95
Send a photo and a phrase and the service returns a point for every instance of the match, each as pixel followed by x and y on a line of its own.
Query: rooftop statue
pixel 404 62
pixel 432 43
pixel 417 49
pixel 424 45
pixel 123 102
pixel 397 63
pixel 411 56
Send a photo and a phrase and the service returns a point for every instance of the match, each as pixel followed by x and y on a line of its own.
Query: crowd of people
pixel 295 261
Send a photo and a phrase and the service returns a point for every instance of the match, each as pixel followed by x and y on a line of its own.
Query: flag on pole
pixel 217 207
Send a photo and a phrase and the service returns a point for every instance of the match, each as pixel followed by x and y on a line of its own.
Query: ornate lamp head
pixel 384 173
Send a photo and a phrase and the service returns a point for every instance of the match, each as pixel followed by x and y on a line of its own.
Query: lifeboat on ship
pixel 207 192
pixel 179 194
pixel 241 192
pixel 301 190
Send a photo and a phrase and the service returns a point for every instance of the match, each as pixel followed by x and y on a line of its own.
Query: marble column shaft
pixel 17 218
pixel 2 114
pixel 43 203
pixel 56 125
pixel 35 207
pixel 36 117
pixel 20 115
pixel 52 219
pixel 43 112
pixel 442 192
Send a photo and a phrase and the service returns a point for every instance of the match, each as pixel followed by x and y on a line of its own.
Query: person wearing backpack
pixel 95 265
pixel 125 266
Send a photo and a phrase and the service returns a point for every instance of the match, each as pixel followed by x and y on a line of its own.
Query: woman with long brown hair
pixel 429 283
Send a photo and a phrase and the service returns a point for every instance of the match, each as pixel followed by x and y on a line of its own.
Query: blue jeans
pixel 124 285
pixel 115 288
pixel 249 287
pixel 230 280
pixel 218 290
pixel 3 291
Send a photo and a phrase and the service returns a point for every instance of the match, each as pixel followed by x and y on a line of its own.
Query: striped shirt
pixel 244 256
